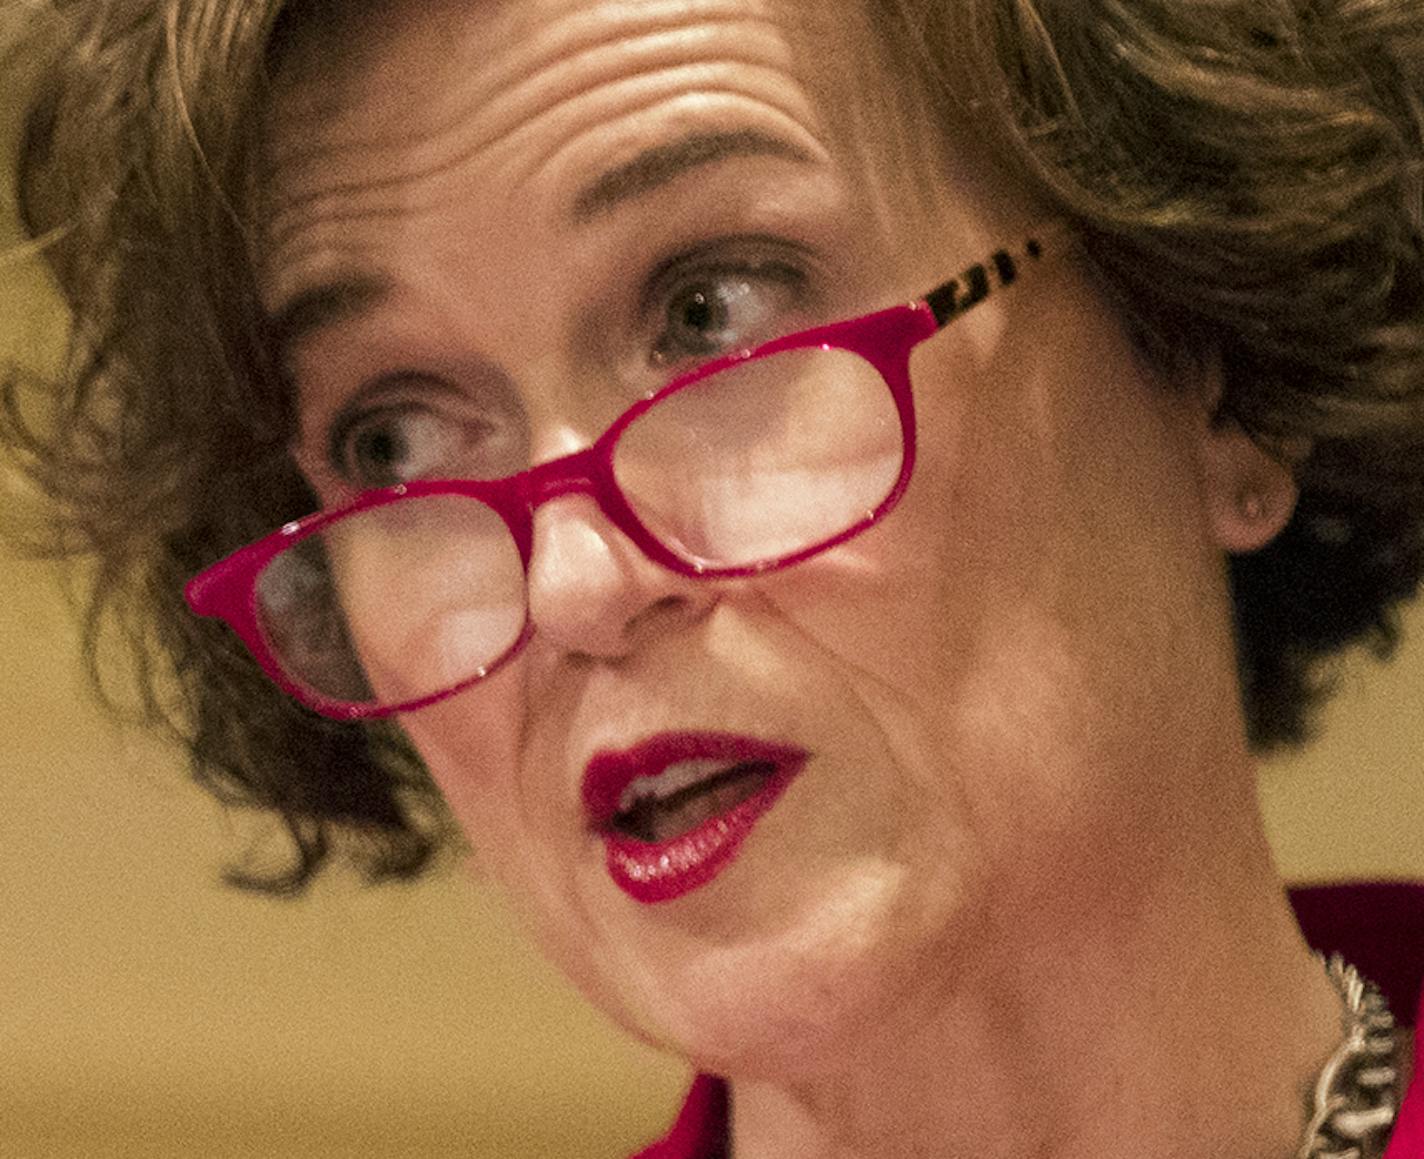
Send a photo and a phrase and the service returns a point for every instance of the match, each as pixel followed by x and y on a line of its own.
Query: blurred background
pixel 146 1010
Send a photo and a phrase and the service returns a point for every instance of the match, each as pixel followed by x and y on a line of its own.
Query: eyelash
pixel 349 423
pixel 781 266
pixel 462 430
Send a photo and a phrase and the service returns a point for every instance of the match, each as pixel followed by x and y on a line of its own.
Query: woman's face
pixel 544 208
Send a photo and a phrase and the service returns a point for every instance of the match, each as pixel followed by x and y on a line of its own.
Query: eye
pixel 714 312
pixel 398 441
pixel 394 444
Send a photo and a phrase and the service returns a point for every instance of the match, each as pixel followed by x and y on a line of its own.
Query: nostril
pixel 670 608
pixel 664 605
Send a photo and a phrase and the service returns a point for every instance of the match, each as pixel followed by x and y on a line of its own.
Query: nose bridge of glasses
pixel 575 474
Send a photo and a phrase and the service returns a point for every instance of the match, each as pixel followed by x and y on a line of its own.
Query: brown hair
pixel 1247 175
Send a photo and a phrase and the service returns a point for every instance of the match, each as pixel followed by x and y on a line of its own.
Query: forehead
pixel 379 60
pixel 416 103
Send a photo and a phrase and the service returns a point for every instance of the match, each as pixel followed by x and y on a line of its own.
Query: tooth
pixel 673 779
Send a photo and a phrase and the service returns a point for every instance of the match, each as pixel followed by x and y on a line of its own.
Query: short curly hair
pixel 1247 175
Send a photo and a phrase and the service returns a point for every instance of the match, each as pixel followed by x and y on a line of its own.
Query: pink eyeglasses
pixel 751 463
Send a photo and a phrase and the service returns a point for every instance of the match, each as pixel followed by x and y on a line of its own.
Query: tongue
pixel 655 821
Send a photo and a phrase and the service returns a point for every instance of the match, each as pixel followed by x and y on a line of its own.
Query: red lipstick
pixel 625 790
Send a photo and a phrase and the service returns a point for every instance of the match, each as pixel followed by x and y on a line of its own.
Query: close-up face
pixel 538 212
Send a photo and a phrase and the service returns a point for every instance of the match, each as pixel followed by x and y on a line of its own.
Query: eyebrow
pixel 320 307
pixel 660 164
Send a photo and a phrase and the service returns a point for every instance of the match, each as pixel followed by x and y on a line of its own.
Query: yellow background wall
pixel 146 1011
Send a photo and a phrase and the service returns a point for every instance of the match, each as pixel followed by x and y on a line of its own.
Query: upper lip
pixel 610 771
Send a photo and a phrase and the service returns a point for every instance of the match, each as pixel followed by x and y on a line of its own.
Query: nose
pixel 593 594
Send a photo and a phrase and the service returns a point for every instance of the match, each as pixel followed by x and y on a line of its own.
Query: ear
pixel 1248 487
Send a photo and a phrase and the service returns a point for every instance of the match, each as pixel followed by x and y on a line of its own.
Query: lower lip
pixel 652 873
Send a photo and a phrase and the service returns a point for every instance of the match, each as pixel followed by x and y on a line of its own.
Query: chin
pixel 783 993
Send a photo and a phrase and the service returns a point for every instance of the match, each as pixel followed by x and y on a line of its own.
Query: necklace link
pixel 1355 1102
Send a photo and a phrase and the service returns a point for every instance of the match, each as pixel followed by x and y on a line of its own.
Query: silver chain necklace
pixel 1355 1096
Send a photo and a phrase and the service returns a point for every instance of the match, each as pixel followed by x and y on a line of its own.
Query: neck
pixel 1189 1020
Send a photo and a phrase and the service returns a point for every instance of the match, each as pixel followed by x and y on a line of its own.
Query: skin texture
pixel 1019 903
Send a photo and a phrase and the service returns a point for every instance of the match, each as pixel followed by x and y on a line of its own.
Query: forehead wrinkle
pixel 662 163
pixel 706 108
pixel 307 237
pixel 709 110
pixel 695 81
pixel 537 76
pixel 554 60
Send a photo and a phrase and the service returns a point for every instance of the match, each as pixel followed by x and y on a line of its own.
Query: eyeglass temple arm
pixel 959 295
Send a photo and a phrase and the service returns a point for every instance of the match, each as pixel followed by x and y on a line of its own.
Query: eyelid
pixel 405 392
pixel 744 253
pixel 371 399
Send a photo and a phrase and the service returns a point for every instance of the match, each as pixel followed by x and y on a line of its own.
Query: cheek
pixel 896 604
pixel 516 810
pixel 1030 608
pixel 473 744
pixel 1079 601
pixel 470 744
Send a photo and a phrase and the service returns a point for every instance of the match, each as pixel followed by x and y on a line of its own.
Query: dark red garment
pixel 1378 928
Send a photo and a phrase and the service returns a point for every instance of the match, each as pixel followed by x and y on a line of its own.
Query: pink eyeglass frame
pixel 227 590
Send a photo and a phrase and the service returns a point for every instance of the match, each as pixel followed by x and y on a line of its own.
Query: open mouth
pixel 679 800
pixel 674 810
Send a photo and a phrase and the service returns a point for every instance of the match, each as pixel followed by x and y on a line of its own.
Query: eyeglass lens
pixel 398 603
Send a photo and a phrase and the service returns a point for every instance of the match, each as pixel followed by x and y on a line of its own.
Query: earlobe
pixel 1246 509
pixel 1248 489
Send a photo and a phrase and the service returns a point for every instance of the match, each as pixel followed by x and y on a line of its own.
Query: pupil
pixel 699 312
pixel 378 457
pixel 703 313
pixel 378 447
